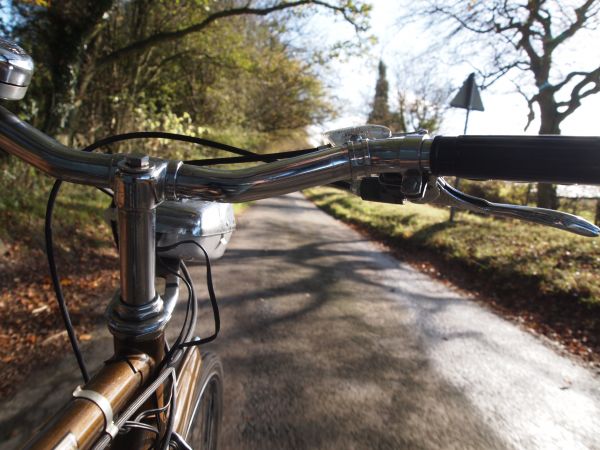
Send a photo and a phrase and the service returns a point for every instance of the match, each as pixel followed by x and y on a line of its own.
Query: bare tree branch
pixel 530 102
pixel 170 36
pixel 591 82
pixel 558 86
pixel 580 18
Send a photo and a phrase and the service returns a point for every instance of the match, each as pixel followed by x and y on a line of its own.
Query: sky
pixel 353 80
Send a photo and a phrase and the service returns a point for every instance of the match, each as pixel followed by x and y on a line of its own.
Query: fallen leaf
pixel 54 337
pixel 40 310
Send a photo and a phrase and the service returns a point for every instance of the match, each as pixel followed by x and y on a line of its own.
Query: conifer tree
pixel 380 111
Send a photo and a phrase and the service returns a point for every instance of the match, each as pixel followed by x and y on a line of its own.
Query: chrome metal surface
pixel 360 160
pixel 341 136
pixel 16 69
pixel 210 224
pixel 267 180
pixel 146 321
pixel 138 191
pixel 449 196
pixel 401 154
pixel 41 151
pixel 137 313
pixel 101 402
pixel 172 179
pixel 357 160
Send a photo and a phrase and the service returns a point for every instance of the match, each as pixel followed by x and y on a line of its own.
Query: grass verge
pixel 544 277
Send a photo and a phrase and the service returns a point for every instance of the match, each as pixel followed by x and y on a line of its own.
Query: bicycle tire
pixel 205 424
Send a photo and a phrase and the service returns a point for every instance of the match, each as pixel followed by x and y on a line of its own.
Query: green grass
pixel 513 254
pixel 78 211
pixel 239 208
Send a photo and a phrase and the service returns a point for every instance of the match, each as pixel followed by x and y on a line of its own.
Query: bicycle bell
pixel 16 68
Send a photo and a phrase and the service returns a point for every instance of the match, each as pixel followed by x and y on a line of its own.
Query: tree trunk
pixel 71 24
pixel 550 124
pixel 546 196
pixel 527 194
pixel 597 218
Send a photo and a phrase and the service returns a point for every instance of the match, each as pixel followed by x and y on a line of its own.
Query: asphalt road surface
pixel 330 343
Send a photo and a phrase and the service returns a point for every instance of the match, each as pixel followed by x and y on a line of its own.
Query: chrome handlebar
pixel 408 156
pixel 41 151
pixel 353 161
pixel 174 179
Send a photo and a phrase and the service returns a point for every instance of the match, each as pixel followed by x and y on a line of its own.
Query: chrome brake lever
pixel 446 195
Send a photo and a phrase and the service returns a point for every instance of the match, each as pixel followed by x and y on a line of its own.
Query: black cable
pixel 62 305
pixel 171 136
pixel 265 157
pixel 187 329
pixel 189 335
pixel 256 157
pixel 213 303
pixel 56 282
pixel 182 334
pixel 140 425
pixel 106 191
pixel 211 291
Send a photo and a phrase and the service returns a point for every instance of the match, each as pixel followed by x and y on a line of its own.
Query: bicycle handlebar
pixel 552 159
pixel 524 158
pixel 41 151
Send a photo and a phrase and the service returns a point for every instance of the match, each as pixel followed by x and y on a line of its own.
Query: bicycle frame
pixel 82 422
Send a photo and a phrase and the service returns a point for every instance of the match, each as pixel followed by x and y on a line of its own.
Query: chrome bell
pixel 16 68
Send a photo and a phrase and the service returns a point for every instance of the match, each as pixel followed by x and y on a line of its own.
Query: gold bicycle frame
pixel 81 422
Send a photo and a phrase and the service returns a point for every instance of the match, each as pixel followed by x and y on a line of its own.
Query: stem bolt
pixel 137 161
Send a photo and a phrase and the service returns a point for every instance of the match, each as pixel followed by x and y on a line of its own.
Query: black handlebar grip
pixel 546 158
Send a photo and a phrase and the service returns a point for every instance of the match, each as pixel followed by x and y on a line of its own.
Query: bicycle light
pixel 16 68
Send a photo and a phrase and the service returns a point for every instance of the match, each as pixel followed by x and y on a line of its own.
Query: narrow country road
pixel 330 343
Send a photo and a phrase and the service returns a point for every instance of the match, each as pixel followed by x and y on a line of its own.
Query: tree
pixel 380 110
pixel 73 50
pixel 524 38
pixel 422 98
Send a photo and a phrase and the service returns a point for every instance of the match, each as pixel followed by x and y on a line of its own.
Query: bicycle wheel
pixel 208 409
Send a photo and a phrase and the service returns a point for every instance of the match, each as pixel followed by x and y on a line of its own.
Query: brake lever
pixel 441 193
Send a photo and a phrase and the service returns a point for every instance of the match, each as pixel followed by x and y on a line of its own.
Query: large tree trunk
pixel 71 25
pixel 550 124
pixel 546 196
pixel 597 218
